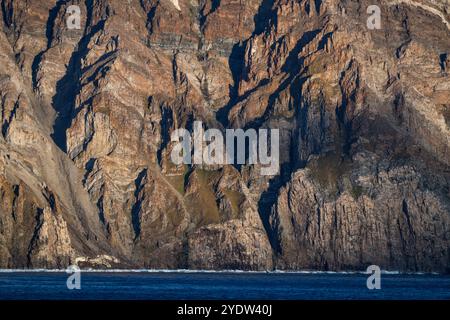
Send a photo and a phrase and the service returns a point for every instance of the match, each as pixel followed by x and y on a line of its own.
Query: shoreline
pixel 187 271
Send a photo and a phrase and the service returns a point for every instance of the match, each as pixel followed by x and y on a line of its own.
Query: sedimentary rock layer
pixel 87 115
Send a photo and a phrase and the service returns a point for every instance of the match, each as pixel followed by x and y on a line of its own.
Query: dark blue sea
pixel 220 285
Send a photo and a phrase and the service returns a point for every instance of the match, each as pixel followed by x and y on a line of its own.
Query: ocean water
pixel 160 285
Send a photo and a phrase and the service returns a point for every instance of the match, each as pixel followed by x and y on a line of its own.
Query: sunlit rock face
pixel 87 114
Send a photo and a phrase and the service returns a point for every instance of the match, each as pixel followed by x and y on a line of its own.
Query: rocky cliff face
pixel 87 114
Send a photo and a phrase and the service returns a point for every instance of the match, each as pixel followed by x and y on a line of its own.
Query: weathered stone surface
pixel 86 119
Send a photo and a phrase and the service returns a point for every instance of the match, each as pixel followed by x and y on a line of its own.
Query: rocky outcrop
pixel 393 225
pixel 87 114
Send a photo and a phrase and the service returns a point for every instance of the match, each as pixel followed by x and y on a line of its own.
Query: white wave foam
pixel 187 271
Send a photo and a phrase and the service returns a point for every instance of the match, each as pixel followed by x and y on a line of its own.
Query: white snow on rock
pixel 176 4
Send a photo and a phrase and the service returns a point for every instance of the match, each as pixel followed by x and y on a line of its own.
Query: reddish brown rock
pixel 86 118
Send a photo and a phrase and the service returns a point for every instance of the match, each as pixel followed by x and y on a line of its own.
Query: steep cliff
pixel 87 115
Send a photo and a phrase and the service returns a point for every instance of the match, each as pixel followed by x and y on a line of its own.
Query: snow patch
pixel 176 4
